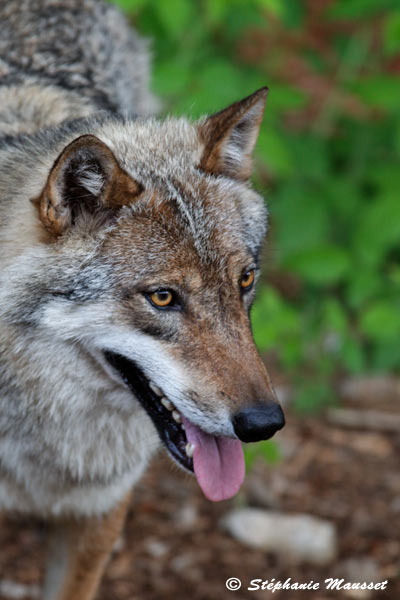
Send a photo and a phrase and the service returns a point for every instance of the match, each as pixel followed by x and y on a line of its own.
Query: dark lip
pixel 171 433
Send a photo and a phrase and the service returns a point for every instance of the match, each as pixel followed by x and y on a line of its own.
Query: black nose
pixel 258 422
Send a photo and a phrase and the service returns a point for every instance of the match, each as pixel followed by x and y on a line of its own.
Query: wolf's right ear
pixel 86 178
pixel 229 137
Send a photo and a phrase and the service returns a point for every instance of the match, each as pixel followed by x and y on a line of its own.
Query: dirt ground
pixel 175 548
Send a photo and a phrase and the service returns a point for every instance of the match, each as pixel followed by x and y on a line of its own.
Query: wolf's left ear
pixel 230 135
pixel 85 179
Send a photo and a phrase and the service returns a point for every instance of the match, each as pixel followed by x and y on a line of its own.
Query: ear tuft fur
pixel 89 177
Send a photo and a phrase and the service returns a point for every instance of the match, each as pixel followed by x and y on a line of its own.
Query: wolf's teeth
pixel 189 449
pixel 168 405
pixel 177 416
pixel 154 388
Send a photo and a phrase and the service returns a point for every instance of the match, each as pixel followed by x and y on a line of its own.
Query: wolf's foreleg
pixel 78 552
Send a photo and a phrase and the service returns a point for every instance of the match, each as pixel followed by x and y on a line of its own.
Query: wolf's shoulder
pixel 85 48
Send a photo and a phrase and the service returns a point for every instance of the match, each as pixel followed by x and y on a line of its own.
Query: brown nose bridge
pixel 246 380
pixel 256 374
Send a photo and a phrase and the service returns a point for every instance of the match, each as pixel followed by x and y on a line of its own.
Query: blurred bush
pixel 328 157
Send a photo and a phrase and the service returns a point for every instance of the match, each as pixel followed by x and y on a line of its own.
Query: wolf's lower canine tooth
pixel 177 416
pixel 155 389
pixel 165 402
pixel 189 449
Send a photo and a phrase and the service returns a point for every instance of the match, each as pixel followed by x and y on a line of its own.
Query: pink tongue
pixel 218 463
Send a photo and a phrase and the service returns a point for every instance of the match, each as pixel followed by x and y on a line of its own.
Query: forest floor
pixel 174 547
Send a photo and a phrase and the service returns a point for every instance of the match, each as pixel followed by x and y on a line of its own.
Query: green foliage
pixel 392 33
pixel 268 451
pixel 328 156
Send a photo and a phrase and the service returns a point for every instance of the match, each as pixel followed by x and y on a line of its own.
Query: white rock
pixel 360 569
pixel 298 537
pixel 358 594
pixel 186 516
pixel 156 547
pixel 119 545
pixel 18 591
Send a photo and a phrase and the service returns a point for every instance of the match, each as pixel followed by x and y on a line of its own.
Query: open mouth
pixel 216 461
pixel 166 418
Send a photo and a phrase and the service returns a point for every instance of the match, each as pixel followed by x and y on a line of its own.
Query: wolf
pixel 129 256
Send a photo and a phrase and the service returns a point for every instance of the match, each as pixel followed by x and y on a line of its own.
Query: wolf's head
pixel 153 235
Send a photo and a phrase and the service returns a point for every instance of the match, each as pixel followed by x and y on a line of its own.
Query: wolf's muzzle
pixel 258 422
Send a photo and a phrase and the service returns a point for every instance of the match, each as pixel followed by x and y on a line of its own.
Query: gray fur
pixel 82 55
pixel 72 437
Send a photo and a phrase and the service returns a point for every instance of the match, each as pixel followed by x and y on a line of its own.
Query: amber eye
pixel 247 280
pixel 161 298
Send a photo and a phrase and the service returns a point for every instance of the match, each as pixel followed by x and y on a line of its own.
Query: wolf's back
pixel 61 59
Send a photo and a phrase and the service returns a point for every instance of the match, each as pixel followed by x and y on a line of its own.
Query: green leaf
pixel 378 229
pixel 212 87
pixel 276 7
pixel 175 15
pixel 359 9
pixel 323 265
pixel 397 138
pixel 352 356
pixel 334 317
pixel 171 77
pixel 344 199
pixel 268 451
pixel 216 10
pixel 275 152
pixel 386 356
pixel 392 33
pixel 363 286
pixel 312 396
pixel 283 97
pixel 301 219
pixel 274 321
pixel 311 157
pixel 381 321
pixel 379 92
